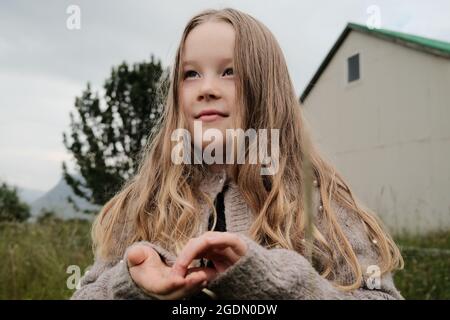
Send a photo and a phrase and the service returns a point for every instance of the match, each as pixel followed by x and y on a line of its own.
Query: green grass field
pixel 427 266
pixel 35 258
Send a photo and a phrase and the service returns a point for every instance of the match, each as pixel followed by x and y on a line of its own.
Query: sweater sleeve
pixel 111 280
pixel 285 274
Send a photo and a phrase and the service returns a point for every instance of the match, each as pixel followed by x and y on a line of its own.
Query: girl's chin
pixel 207 144
pixel 211 147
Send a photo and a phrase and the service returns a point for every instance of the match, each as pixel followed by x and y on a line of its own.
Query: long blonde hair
pixel 161 202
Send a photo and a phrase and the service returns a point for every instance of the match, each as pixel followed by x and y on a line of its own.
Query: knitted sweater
pixel 262 273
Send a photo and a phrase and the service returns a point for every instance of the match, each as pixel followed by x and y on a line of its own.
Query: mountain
pixel 29 195
pixel 56 200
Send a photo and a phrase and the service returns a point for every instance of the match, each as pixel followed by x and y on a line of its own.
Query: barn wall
pixel 389 132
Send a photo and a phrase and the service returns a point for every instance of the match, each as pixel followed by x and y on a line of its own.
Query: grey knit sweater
pixel 262 273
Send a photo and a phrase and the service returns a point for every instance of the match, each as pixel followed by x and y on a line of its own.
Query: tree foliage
pixel 106 135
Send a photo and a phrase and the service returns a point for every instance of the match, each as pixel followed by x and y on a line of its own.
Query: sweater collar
pixel 238 215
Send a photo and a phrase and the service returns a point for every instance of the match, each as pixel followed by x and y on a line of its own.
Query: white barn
pixel 379 109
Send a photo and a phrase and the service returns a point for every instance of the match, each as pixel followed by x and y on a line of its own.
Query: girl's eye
pixel 192 73
pixel 229 72
pixel 189 74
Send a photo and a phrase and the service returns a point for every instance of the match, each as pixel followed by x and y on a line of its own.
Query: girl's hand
pixel 153 276
pixel 223 248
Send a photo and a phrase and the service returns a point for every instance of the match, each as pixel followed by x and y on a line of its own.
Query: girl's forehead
pixel 209 41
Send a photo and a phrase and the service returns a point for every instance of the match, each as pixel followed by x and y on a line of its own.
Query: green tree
pixel 11 208
pixel 107 136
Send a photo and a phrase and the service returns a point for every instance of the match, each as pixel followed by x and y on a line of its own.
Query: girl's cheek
pixel 184 106
pixel 187 99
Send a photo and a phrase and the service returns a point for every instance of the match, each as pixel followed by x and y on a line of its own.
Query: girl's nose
pixel 208 90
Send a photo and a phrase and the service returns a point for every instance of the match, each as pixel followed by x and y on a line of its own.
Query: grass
pixel 427 266
pixel 34 260
pixel 34 257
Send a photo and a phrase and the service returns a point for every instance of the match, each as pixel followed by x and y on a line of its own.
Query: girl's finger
pixel 198 246
pixel 171 285
pixel 228 253
pixel 227 239
pixel 195 282
pixel 222 258
pixel 136 255
pixel 211 273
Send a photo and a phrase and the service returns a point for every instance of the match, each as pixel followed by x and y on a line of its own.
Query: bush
pixel 11 208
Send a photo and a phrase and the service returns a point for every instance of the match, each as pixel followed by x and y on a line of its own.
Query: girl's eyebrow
pixel 194 62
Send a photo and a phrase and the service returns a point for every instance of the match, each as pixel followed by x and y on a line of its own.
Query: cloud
pixel 34 112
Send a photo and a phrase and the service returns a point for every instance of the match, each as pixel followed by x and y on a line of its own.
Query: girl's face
pixel 207 89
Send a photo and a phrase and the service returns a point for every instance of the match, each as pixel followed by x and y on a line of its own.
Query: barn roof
pixel 432 46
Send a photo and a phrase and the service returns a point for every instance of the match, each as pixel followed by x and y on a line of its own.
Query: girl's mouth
pixel 210 117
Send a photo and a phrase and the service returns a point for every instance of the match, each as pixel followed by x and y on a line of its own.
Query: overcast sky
pixel 44 65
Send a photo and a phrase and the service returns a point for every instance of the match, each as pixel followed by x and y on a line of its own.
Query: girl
pixel 179 230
